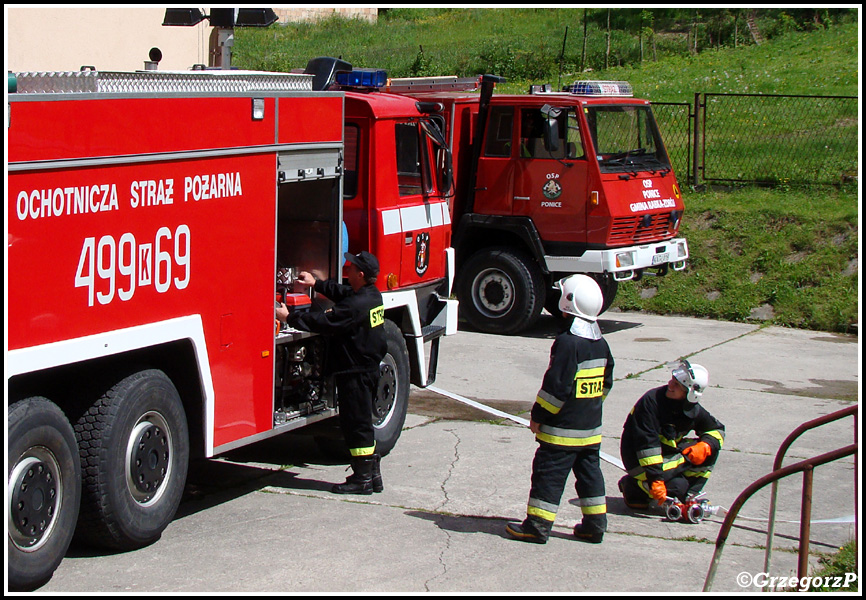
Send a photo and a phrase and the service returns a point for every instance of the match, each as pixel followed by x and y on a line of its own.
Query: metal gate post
pixel 696 141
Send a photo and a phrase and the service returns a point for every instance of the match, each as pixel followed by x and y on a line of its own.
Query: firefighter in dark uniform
pixel 566 420
pixel 660 461
pixel 356 326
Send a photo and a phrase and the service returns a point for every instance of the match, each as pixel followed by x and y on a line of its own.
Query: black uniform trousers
pixel 688 479
pixel 355 393
pixel 550 469
pixel 684 479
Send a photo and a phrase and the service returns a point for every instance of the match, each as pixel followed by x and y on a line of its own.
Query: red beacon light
pixel 362 78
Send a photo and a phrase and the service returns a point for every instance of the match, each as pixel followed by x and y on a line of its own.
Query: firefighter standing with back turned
pixel 660 461
pixel 356 326
pixel 566 420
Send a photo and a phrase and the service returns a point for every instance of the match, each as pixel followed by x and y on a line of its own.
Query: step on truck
pixel 549 184
pixel 153 219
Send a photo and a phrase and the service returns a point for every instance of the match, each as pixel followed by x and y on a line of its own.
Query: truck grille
pixel 631 230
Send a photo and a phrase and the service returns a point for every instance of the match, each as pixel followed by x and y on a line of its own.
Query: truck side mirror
pixel 434 128
pixel 447 173
pixel 551 127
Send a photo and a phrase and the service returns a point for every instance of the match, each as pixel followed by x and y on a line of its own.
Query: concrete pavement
pixel 261 519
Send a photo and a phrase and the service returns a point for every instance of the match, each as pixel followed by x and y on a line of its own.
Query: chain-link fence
pixel 674 120
pixel 773 139
pixel 758 138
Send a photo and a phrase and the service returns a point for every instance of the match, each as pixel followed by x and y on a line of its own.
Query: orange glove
pixel 659 491
pixel 697 453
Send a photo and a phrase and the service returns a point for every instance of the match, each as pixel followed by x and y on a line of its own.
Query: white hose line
pixel 490 410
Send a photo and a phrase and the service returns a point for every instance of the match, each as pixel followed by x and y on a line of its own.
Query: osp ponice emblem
pixel 552 189
pixel 422 252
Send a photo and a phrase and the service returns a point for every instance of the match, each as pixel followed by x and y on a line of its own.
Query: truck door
pixel 355 184
pixel 423 215
pixel 493 193
pixel 550 185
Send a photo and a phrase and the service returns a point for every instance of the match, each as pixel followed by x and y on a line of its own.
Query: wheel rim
pixel 386 392
pixel 37 491
pixel 148 458
pixel 492 292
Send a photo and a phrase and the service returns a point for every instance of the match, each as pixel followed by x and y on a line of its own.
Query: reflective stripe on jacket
pixel 568 407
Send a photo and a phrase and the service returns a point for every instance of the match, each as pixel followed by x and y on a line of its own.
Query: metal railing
pixel 779 472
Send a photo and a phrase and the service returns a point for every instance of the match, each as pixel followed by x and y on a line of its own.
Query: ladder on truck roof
pixel 402 85
pixel 159 82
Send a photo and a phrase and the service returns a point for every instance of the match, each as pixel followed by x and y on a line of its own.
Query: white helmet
pixel 694 378
pixel 581 296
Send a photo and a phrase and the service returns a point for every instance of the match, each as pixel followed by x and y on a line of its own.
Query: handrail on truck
pixel 806 466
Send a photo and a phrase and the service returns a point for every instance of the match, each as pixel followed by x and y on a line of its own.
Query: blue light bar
pixel 366 78
pixel 600 88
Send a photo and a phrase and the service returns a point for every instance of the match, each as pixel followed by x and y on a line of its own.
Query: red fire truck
pixel 549 184
pixel 151 219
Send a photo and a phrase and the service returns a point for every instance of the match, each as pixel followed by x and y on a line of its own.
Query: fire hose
pixel 490 410
pixel 694 515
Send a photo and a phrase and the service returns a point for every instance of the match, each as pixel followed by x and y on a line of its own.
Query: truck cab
pixel 392 202
pixel 554 183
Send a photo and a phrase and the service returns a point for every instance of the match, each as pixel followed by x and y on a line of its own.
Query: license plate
pixel 660 258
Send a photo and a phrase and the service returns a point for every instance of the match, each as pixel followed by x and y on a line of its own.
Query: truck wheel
pixel 134 448
pixel 392 396
pixel 609 287
pixel 500 291
pixel 44 491
pixel 551 303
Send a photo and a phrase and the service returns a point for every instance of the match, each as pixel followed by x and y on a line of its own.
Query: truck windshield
pixel 626 139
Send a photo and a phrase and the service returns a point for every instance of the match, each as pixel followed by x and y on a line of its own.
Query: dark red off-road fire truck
pixel 549 184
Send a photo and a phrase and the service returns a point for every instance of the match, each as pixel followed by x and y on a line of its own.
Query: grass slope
pixel 787 256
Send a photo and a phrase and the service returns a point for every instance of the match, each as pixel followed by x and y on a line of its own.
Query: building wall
pixel 64 38
pixel 117 38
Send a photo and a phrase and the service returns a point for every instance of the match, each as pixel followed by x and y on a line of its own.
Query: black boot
pixel 361 479
pixel 591 528
pixel 531 530
pixel 634 497
pixel 376 477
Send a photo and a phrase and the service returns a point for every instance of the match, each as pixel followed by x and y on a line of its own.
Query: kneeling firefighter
pixel 661 462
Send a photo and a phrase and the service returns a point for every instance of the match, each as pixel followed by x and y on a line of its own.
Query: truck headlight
pixel 624 259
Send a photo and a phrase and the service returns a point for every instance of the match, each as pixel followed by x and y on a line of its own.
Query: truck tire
pixel 44 491
pixel 392 396
pixel 500 291
pixel 134 448
pixel 609 287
